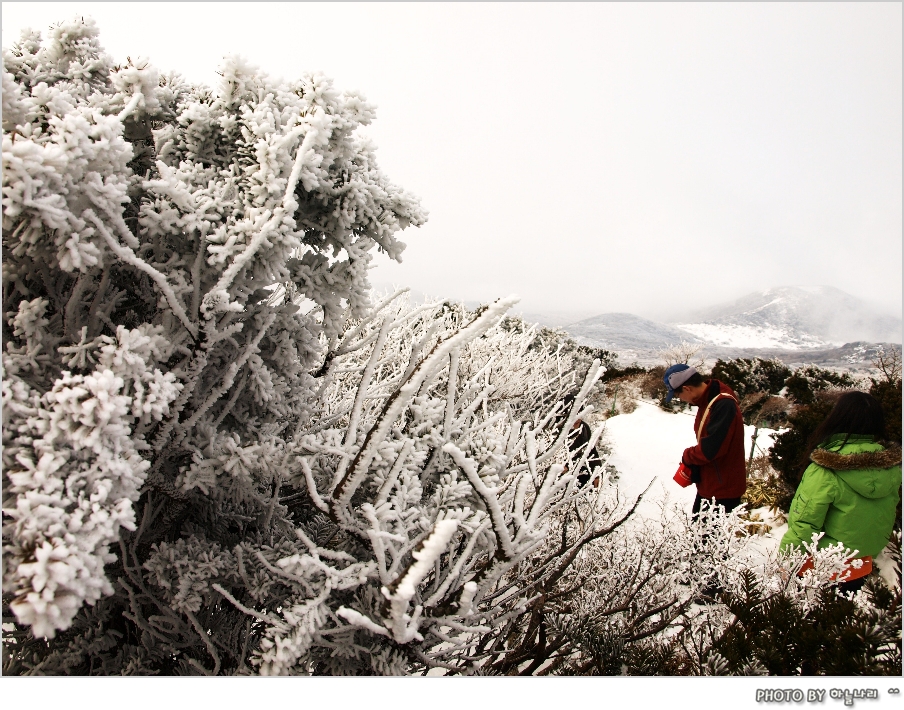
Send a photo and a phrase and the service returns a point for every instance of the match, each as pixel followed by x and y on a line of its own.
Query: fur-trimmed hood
pixel 848 462
pixel 872 474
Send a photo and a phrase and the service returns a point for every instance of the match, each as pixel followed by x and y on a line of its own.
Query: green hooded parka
pixel 850 492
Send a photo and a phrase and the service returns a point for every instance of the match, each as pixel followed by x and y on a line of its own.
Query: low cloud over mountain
pixel 624 332
pixel 793 317
pixel 790 322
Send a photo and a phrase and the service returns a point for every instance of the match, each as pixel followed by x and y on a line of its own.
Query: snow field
pixel 751 336
pixel 647 446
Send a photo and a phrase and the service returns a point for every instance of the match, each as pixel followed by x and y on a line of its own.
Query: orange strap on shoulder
pixel 706 412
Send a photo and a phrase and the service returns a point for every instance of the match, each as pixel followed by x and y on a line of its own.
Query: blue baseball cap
pixel 676 376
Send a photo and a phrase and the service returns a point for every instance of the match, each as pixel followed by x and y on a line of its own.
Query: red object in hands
pixel 854 573
pixel 683 476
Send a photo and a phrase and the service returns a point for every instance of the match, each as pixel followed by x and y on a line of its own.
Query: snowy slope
pixel 647 446
pixel 793 317
pixel 752 336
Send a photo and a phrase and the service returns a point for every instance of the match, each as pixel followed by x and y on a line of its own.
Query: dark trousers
pixel 728 503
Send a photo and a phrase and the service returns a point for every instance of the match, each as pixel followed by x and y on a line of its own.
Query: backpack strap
pixel 706 412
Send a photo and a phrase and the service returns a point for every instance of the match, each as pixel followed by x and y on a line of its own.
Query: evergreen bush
pixel 750 375
pixel 836 635
pixel 888 392
pixel 804 384
pixel 218 456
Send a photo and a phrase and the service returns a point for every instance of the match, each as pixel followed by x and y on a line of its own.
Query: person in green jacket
pixel 851 489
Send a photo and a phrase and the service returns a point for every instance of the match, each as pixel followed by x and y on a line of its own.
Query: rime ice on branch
pixel 228 480
pixel 156 237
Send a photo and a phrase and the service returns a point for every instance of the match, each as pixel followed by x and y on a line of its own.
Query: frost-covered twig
pixel 128 256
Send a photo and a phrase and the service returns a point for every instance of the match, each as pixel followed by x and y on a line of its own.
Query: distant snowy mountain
pixel 731 335
pixel 627 333
pixel 795 324
pixel 793 318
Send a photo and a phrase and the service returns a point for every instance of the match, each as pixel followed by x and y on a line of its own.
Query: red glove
pixel 683 476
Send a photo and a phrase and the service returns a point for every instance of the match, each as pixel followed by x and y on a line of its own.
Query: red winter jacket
pixel 718 457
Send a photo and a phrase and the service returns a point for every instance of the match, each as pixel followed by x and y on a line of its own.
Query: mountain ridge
pixel 793 316
pixel 627 331
pixel 818 324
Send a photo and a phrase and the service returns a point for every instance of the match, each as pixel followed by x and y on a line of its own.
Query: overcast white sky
pixel 594 157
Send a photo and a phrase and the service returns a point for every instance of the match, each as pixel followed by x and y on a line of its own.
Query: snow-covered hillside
pixel 793 317
pixel 627 334
pixel 752 336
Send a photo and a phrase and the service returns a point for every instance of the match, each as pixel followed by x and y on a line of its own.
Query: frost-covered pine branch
pixel 146 225
pixel 219 457
pixel 425 467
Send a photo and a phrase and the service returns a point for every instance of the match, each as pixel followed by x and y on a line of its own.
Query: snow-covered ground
pixel 751 336
pixel 647 446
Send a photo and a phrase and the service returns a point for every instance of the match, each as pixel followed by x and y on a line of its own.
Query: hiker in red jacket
pixel 716 464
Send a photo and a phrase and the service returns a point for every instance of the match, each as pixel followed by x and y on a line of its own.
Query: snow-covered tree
pixel 684 353
pixel 219 456
pixel 147 224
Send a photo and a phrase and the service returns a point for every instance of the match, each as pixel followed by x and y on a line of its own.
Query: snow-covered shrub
pixel 785 624
pixel 685 353
pixel 570 356
pixel 152 231
pixel 219 457
pixel 804 384
pixel 685 596
pixel 619 606
pixel 447 490
pixel 749 375
pixel 621 395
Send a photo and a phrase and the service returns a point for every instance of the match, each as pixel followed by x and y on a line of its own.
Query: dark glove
pixel 696 471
